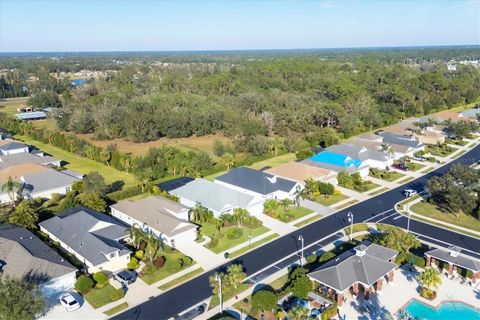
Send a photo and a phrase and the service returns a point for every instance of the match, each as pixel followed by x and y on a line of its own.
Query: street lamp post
pixel 350 219
pixel 408 219
pixel 219 280
pixel 300 238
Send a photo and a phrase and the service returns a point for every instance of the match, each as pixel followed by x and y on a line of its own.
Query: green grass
pixel 182 279
pixel 10 105
pixel 357 228
pixel 378 191
pixel 228 294
pixel 405 180
pixel 427 170
pixel 274 161
pixel 100 297
pixel 367 186
pixel 349 203
pixel 459 154
pixel 386 175
pixel 116 309
pixel 412 166
pixel 81 164
pixel 456 142
pixel 292 214
pixel 224 243
pixel 330 200
pixel 253 245
pixel 439 151
pixel 168 268
pixel 430 210
pixel 307 221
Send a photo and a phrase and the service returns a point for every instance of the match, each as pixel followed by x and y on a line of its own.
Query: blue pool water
pixel 446 311
pixel 335 159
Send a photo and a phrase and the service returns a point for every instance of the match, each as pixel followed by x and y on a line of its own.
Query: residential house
pixel 214 196
pixel 299 172
pixel 259 184
pixel 20 158
pixel 24 256
pixel 402 145
pixel 8 146
pixel 92 237
pixel 443 116
pixel 164 218
pixel 428 132
pixel 43 184
pixel 372 158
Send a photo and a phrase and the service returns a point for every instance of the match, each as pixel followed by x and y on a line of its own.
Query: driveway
pixel 86 311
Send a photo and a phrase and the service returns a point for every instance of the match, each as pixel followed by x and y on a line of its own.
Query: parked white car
pixel 409 193
pixel 69 302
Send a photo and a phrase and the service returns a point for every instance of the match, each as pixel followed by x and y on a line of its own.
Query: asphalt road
pixel 194 291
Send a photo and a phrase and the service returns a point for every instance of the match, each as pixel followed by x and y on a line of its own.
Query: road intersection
pixel 281 252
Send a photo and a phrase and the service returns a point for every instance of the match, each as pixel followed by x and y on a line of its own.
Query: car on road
pixel 125 277
pixel 69 302
pixel 409 193
pixel 400 166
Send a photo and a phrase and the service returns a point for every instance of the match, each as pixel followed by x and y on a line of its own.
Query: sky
pixel 108 25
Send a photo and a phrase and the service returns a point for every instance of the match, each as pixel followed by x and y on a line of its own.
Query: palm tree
pixel 106 156
pixel 300 193
pixel 229 160
pixel 310 187
pixel 269 206
pixel 430 278
pixel 137 235
pixel 298 313
pixel 235 275
pixel 240 215
pixel 13 189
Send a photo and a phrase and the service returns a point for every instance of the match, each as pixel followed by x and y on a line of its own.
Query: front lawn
pixel 228 293
pixel 430 210
pixel 293 213
pixel 170 267
pixel 385 175
pixel 330 200
pixel 366 186
pixel 227 237
pixel 413 166
pixel 439 150
pixel 100 297
pixel 458 142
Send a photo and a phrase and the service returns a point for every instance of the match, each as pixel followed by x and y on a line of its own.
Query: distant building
pixel 24 157
pixel 8 147
pixel 36 115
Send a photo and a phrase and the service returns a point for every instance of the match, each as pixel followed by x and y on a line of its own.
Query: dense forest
pixel 247 99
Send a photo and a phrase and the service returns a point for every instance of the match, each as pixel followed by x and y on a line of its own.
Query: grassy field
pixel 307 221
pixel 292 214
pixel 224 243
pixel 81 164
pixel 330 200
pixel 253 245
pixel 100 297
pixel 116 309
pixel 10 105
pixel 386 175
pixel 168 268
pixel 431 211
pixel 274 161
pixel 182 279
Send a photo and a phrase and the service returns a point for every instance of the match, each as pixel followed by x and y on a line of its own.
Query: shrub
pixel 264 300
pixel 406 257
pixel 160 261
pixel 428 294
pixel 234 233
pixel 167 249
pixel 125 193
pixel 139 254
pixel 213 243
pixel 83 284
pixel 187 261
pixel 56 197
pixel 133 264
pixel 101 279
pixel 311 258
pixel 117 294
pixel 327 256
pixel 149 268
pixel 330 312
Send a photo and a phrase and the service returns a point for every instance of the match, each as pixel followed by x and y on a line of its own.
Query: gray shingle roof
pixel 90 233
pixel 358 152
pixel 460 260
pixel 47 180
pixel 26 257
pixel 471 113
pixel 13 146
pixel 391 138
pixel 24 157
pixel 349 267
pixel 256 181
pixel 158 213
pixel 212 195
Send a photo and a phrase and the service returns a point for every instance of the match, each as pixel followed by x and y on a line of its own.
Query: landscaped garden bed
pixel 284 210
pixel 385 175
pixel 441 150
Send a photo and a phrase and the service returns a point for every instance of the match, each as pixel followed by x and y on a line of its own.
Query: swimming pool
pixel 446 311
pixel 335 159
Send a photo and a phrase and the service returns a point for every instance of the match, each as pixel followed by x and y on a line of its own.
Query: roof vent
pixel 360 250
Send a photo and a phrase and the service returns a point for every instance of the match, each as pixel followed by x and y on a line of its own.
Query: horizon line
pixel 246 50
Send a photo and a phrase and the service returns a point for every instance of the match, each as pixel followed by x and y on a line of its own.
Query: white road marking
pixel 379 214
pixel 396 218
